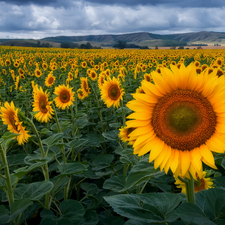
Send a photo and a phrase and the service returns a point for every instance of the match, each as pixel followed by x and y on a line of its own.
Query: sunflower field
pixel 112 137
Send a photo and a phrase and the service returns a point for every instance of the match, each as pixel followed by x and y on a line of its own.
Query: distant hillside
pixel 144 38
pixel 140 39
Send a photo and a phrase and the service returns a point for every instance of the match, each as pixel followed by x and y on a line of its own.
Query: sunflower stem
pixel 190 190
pixel 99 110
pixel 9 190
pixel 62 148
pixel 60 131
pixel 45 170
pixel 73 125
pixel 123 113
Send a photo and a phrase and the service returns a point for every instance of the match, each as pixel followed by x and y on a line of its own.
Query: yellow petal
pixel 156 148
pixel 207 156
pixel 185 161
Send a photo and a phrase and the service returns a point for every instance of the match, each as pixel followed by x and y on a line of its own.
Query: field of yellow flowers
pixel 103 136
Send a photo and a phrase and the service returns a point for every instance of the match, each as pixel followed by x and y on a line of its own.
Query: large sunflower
pixel 180 119
pixel 42 105
pixel 9 115
pixel 111 92
pixel 65 96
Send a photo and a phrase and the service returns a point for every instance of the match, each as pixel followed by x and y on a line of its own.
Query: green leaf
pixel 150 208
pixel 112 220
pixel 72 210
pixel 115 125
pixel 219 182
pixel 102 162
pixel 89 188
pixel 18 207
pixel 46 131
pixel 60 185
pixel 192 214
pixel 220 161
pixel 116 183
pixel 81 123
pixel 9 135
pixel 95 139
pixel 16 159
pixel 7 138
pixel 71 168
pixel 4 215
pixel 210 200
pixel 111 135
pixel 24 170
pixel 142 171
pixel 78 143
pixel 135 222
pixel 48 217
pixel 53 139
pixel 90 218
pixel 33 191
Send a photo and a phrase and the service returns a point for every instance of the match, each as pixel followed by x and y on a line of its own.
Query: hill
pixel 141 39
pixel 145 38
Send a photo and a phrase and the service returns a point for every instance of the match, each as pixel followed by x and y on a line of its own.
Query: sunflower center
pixel 42 105
pixel 184 119
pixel 50 80
pixel 199 184
pixel 114 92
pixel 13 121
pixel 64 97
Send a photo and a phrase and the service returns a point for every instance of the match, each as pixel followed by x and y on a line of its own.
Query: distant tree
pixel 86 46
pixel 181 47
pixel 38 43
pixel 156 47
pixel 120 44
pixel 65 45
pixel 144 47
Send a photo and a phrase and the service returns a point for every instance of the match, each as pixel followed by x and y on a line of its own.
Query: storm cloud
pixel 43 18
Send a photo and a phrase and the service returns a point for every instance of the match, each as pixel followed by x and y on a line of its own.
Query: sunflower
pixel 199 184
pixel 80 94
pixel 140 90
pixel 9 116
pixel 17 82
pixel 93 75
pixel 101 79
pixel 50 79
pixel 111 93
pixel 84 85
pixel 124 135
pixel 180 119
pixel 65 96
pixel 42 105
pixel 37 72
pixel 84 64
pixel 147 77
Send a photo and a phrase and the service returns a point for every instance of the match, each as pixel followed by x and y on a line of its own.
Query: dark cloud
pixel 42 18
pixel 169 3
pixel 54 3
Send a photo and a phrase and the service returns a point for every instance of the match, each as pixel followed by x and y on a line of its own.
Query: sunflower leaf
pixel 34 191
pixel 192 214
pixel 53 139
pixel 142 171
pixel 71 168
pixel 151 208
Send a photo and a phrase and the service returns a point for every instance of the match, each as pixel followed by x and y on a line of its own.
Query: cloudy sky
pixel 43 18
